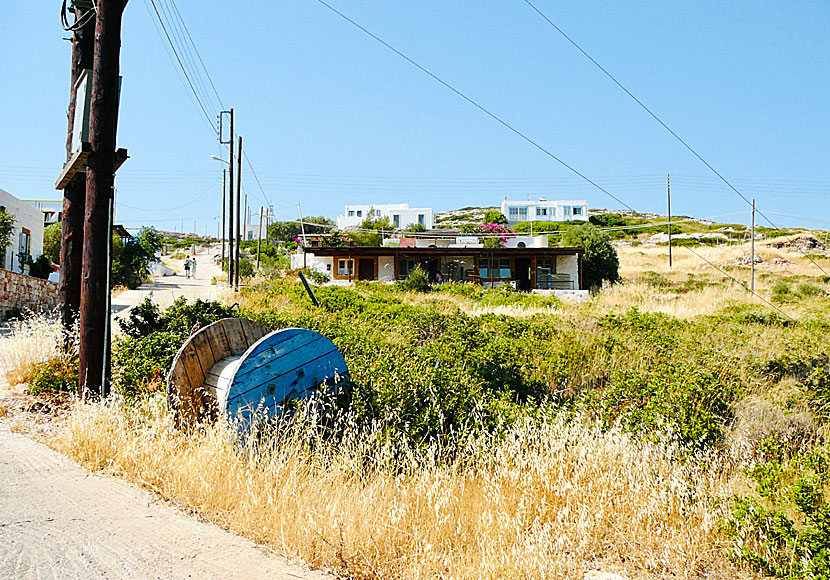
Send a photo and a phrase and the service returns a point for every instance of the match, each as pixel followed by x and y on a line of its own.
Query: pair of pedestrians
pixel 189 267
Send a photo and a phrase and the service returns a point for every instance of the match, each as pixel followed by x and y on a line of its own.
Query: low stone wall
pixel 21 291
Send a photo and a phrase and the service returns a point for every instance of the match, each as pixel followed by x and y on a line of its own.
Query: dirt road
pixel 58 521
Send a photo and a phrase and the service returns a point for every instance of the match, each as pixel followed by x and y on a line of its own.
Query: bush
pixel 143 358
pixel 494 216
pixel 56 375
pixel 781 292
pixel 52 242
pixel 417 281
pixel 600 261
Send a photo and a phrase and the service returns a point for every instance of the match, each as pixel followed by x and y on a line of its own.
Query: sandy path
pixel 58 521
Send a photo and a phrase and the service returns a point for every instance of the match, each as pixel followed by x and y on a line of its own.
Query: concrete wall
pixel 21 291
pixel 569 265
pixel 26 216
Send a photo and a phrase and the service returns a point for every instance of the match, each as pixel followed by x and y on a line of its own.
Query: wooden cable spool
pixel 236 368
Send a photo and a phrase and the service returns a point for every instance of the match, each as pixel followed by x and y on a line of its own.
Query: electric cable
pixel 661 122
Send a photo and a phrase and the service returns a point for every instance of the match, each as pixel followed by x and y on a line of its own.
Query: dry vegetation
pixel 550 500
pixel 551 497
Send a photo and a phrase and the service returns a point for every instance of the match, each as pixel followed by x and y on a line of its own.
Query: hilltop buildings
pixel 543 210
pixel 400 215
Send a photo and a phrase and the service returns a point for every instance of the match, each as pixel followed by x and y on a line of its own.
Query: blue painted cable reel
pixel 235 368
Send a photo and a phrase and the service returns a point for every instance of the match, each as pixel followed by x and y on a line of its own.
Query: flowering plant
pixel 495 235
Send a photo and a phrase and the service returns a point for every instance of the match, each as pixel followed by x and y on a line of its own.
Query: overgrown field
pixel 670 426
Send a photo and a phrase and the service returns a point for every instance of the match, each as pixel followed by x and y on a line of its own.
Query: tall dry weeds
pixel 27 343
pixel 550 500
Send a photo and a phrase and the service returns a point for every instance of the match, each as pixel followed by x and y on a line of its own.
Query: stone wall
pixel 21 291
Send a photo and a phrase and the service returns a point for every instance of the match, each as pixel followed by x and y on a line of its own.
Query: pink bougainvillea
pixel 495 235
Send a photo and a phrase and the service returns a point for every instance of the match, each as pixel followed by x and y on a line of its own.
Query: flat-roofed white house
pixel 544 210
pixel 400 215
pixel 27 236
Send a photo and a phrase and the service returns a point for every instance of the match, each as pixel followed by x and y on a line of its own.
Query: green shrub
pixel 792 538
pixel 56 375
pixel 417 281
pixel 781 292
pixel 807 289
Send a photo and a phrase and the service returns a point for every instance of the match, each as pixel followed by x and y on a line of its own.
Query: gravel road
pixel 59 521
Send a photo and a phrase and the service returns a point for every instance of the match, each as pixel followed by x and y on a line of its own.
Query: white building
pixel 544 210
pixel 400 215
pixel 27 236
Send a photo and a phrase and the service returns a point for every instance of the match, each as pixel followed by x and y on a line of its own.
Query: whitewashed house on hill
pixel 27 236
pixel 542 210
pixel 400 215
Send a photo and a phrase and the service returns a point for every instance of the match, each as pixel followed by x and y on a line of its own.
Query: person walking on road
pixel 193 267
pixel 187 267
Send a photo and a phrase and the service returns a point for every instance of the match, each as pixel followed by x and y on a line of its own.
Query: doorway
pixel 523 274
pixel 366 269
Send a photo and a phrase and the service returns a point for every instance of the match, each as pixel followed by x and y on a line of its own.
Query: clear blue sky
pixel 330 117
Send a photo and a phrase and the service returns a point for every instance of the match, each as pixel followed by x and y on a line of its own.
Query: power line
pixel 660 121
pixel 179 60
pixel 476 105
pixel 537 145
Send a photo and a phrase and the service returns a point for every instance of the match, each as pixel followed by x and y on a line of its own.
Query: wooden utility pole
pixel 94 364
pixel 238 232
pixel 753 247
pixel 668 193
pixel 224 185
pixel 259 238
pixel 74 194
pixel 245 219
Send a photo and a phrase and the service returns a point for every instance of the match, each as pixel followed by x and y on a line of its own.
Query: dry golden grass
pixel 549 501
pixel 30 341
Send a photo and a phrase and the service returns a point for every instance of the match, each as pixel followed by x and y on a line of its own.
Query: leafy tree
pixel 6 229
pixel 151 240
pixel 286 231
pixel 416 228
pixel 52 242
pixel 380 224
pixel 494 216
pixel 600 261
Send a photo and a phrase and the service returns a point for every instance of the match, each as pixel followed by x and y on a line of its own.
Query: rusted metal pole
pixel 224 185
pixel 230 207
pixel 238 231
pixel 94 344
pixel 74 194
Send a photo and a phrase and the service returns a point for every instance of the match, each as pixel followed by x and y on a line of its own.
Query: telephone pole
pixel 74 194
pixel 229 142
pixel 753 247
pixel 668 193
pixel 259 237
pixel 94 363
pixel 238 233
pixel 224 185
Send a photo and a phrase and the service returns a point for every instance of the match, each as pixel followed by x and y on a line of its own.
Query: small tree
pixel 52 242
pixel 416 228
pixel 494 216
pixel 6 229
pixel 600 261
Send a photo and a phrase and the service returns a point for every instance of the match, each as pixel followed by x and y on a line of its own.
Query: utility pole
pixel 230 203
pixel 94 363
pixel 753 246
pixel 224 175
pixel 245 219
pixel 668 192
pixel 259 238
pixel 74 194
pixel 238 233
pixel 302 225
